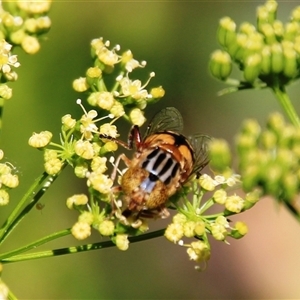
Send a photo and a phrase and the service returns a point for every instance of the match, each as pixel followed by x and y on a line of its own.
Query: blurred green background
pixel 176 39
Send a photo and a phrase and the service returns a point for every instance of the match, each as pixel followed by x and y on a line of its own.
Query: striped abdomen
pixel 161 166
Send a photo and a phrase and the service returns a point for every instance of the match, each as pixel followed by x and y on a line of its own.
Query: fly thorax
pixel 161 166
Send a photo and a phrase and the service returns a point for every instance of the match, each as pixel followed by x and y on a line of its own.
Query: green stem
pixel 34 193
pixel 78 249
pixel 36 244
pixel 286 104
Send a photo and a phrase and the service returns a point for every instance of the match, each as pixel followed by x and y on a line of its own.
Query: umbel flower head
pixel 125 98
pixel 266 53
pixel 87 144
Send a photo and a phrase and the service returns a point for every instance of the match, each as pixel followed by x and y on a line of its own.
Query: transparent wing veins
pixel 200 144
pixel 168 119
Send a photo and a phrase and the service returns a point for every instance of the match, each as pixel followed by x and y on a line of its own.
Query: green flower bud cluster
pixel 269 159
pixel 194 221
pixel 123 96
pixel 268 54
pixel 23 22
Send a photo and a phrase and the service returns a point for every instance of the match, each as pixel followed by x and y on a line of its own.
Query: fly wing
pixel 168 119
pixel 200 144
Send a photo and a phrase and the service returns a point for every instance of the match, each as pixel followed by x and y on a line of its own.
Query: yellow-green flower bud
pixel 5 92
pixel 17 36
pixel 226 31
pixel 86 217
pixel 234 203
pixel 271 6
pixel 4 197
pixel 30 25
pixel 40 140
pixel 220 64
pixel 117 109
pixel 237 48
pixel 10 180
pixel 80 84
pixel 53 166
pixel 157 92
pixel 109 146
pixel 251 127
pixel 77 199
pixel 68 122
pixel 268 31
pixel 271 175
pixel 199 228
pixel 50 154
pixel 239 230
pixel 252 67
pixel 266 60
pixel 84 149
pixel 218 231
pixel 276 123
pixel 81 230
pixel 126 56
pixel 220 196
pixel 266 13
pixel 93 74
pixel 207 183
pixel 137 117
pixel 122 242
pixel 277 60
pixel 247 28
pixel 291 31
pixel 179 218
pixel 268 139
pixel 81 170
pixel 290 183
pixel 220 156
pixel 295 16
pixel 278 29
pixel 290 68
pixel 43 24
pixel 188 229
pixel 250 175
pixel 254 45
pixel 262 16
pixel 30 44
pixel 106 228
pixel 251 199
pixel 174 232
pixel 7 19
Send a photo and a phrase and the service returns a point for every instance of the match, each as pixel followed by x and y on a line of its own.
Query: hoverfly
pixel 164 160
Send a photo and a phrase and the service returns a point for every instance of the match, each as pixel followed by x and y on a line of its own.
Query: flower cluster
pixel 193 220
pixel 8 180
pixel 274 156
pixel 267 54
pixel 87 142
pixel 22 22
pixel 124 96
